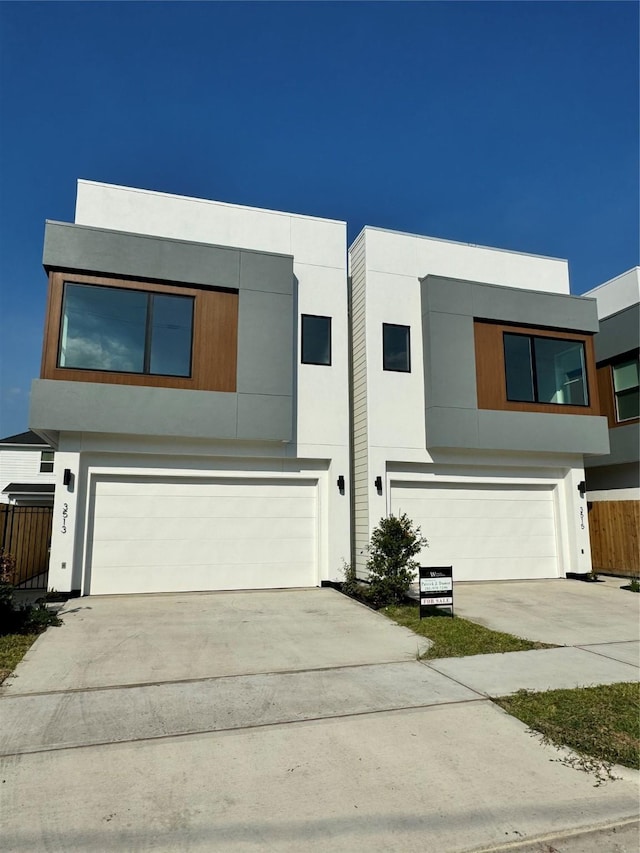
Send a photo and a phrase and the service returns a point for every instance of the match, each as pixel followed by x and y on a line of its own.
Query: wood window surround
pixel 607 392
pixel 491 375
pixel 214 336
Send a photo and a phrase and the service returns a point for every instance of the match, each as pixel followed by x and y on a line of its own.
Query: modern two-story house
pixel 474 401
pixel 194 384
pixel 613 481
pixel 230 412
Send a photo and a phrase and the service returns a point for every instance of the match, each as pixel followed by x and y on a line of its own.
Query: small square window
pixel 46 462
pixel 316 339
pixel 396 348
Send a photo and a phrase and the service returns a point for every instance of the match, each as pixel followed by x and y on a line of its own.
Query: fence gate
pixel 25 533
pixel 614 528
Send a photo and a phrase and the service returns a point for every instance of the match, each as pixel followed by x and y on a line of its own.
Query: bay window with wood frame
pixel 119 331
pixel 530 369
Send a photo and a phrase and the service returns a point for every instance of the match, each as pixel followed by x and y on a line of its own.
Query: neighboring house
pixel 26 470
pixel 613 481
pixel 195 388
pixel 474 400
pixel 195 385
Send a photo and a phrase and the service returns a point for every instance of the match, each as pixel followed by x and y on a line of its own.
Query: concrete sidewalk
pixel 287 721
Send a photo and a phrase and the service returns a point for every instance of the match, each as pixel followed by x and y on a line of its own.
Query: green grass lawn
pixel 602 722
pixel 13 648
pixel 454 638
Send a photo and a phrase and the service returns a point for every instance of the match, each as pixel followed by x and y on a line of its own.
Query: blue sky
pixel 508 124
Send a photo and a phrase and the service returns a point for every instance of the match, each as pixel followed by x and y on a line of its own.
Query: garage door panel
pixel 166 552
pixel 181 578
pixel 206 530
pixel 147 506
pixel 159 535
pixel 468 508
pixel 488 546
pixel 488 531
pixel 178 487
pixel 483 526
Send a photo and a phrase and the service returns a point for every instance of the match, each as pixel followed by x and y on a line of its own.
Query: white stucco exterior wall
pixel 618 293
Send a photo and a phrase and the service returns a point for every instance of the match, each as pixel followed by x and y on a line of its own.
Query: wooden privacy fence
pixel 615 545
pixel 25 533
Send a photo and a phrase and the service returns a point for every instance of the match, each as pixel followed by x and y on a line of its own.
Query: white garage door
pixel 485 532
pixel 165 535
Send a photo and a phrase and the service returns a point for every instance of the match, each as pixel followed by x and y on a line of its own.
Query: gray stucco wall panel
pixel 265 417
pixel 266 326
pixel 132 410
pixel 606 477
pixel 271 273
pixel 265 343
pixel 625 447
pixel 447 295
pixel 618 334
pixel 137 256
pixel 449 362
pixel 448 427
pixel 452 417
pixel 531 308
pixel 542 432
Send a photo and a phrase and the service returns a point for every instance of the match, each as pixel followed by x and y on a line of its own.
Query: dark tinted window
pixel 316 339
pixel 127 331
pixel 545 370
pixel 396 353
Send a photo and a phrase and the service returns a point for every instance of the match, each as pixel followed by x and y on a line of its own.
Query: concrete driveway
pixel 564 612
pixel 270 721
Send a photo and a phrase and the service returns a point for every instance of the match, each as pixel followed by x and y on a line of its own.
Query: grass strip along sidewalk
pixel 455 638
pixel 602 722
pixel 13 648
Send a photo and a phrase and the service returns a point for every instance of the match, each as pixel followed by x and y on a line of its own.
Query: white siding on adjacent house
pixel 359 395
pixel 21 465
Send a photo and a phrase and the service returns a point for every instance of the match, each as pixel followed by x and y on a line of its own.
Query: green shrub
pixel 350 585
pixel 391 564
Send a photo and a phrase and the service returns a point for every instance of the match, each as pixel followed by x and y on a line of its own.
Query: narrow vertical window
pixel 626 390
pixel 396 348
pixel 316 339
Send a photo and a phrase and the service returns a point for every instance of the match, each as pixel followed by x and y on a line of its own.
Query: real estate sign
pixel 436 588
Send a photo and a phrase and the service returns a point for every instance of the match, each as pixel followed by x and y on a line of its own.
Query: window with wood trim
pixel 126 331
pixel 534 370
pixel 619 391
pixel 625 389
pixel 120 331
pixel 544 370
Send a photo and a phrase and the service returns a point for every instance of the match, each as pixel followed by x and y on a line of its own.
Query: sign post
pixel 436 588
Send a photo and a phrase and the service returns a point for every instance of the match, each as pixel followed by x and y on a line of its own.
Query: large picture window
pixel 125 331
pixel 545 370
pixel 625 389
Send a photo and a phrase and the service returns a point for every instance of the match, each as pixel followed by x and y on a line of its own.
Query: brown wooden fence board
pixel 25 532
pixel 614 528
